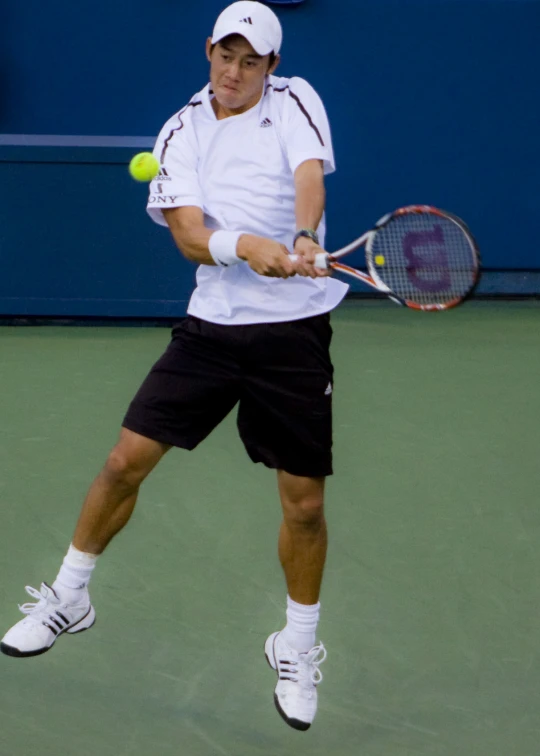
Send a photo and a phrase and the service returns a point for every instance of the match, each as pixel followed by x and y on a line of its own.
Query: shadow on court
pixel 430 602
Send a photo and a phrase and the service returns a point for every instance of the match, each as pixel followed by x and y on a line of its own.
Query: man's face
pixel 237 73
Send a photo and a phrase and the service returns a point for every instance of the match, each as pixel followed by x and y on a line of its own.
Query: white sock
pixel 301 628
pixel 72 580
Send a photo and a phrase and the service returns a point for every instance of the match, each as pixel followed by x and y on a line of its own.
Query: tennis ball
pixel 144 167
pixel 379 260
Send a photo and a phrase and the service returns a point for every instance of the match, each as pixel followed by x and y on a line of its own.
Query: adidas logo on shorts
pixel 328 390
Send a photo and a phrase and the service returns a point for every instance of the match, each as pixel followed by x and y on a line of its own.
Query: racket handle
pixel 320 259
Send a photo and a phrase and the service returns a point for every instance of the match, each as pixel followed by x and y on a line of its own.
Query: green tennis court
pixel 431 600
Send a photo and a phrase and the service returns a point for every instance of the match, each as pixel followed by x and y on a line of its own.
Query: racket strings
pixel 424 257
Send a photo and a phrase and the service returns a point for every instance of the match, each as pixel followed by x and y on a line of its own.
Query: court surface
pixel 431 602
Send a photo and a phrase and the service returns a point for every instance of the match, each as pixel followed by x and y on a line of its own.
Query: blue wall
pixel 433 101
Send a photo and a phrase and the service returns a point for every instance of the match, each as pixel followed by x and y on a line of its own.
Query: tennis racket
pixel 419 256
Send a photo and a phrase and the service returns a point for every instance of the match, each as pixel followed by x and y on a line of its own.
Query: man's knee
pixel 305 513
pixel 302 500
pixel 122 470
pixel 132 460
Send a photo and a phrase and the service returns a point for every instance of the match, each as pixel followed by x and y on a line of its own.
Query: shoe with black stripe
pixel 45 621
pixel 299 675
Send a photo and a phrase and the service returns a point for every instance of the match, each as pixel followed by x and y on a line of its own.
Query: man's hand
pixel 306 249
pixel 265 256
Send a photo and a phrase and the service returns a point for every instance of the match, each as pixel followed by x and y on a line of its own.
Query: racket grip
pixel 320 259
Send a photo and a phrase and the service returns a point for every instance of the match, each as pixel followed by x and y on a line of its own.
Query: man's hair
pixel 233 38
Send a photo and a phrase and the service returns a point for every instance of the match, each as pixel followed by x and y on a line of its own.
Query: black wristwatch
pixel 309 233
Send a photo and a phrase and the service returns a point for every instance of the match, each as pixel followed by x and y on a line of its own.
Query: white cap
pixel 252 20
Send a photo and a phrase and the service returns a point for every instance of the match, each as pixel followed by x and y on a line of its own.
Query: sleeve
pixel 177 184
pixel 306 130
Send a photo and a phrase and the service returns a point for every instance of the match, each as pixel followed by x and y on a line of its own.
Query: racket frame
pixel 373 279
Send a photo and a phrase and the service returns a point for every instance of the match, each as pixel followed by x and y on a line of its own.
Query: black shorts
pixel 280 373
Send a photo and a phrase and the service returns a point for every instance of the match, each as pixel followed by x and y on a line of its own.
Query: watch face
pixel 309 234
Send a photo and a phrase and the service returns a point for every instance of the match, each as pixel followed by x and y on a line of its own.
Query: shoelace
pixel 306 669
pixel 30 607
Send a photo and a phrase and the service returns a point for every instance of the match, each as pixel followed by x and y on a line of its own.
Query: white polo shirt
pixel 240 172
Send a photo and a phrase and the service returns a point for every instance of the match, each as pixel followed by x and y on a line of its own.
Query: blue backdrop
pixel 431 101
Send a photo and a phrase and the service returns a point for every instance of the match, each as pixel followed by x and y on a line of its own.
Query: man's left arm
pixel 309 208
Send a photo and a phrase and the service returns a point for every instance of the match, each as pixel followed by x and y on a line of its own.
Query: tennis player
pixel 241 186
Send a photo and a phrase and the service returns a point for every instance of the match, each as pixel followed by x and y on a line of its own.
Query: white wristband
pixel 222 247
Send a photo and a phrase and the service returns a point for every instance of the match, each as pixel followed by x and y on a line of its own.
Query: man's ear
pixel 275 64
pixel 209 48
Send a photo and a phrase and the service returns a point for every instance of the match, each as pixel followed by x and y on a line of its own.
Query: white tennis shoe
pixel 45 621
pixel 298 676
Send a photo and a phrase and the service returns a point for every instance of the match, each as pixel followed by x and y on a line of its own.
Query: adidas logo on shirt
pixel 328 390
pixel 246 21
pixel 265 123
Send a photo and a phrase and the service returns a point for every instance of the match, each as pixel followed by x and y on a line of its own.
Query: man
pixel 241 184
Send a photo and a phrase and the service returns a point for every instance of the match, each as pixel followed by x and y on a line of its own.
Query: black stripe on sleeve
pixel 178 128
pixel 302 108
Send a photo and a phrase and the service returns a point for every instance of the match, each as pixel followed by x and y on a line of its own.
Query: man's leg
pixel 302 552
pixel 303 536
pixel 285 421
pixel 113 494
pixel 107 508
pixel 186 394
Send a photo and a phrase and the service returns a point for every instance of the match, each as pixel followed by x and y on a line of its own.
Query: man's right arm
pixel 190 233
pixel 265 256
